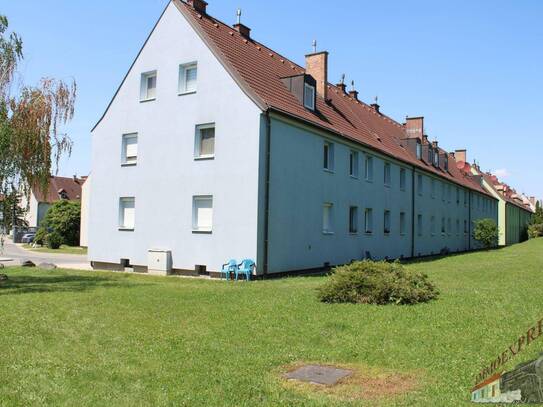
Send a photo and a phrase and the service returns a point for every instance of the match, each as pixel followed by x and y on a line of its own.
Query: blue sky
pixel 472 68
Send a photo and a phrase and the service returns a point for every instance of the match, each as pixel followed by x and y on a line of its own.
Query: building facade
pixel 217 147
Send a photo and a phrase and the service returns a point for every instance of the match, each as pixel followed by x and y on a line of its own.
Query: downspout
pixel 413 212
pixel 267 194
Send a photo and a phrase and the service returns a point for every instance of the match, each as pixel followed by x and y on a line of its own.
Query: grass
pixel 62 250
pixel 86 339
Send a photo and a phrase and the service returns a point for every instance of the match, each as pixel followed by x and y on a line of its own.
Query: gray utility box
pixel 159 262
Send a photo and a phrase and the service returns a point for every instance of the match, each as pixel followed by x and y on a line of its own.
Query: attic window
pixel 309 96
pixel 436 158
pixel 419 150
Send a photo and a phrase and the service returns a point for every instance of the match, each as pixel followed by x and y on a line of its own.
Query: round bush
pixel 54 240
pixel 535 231
pixel 486 232
pixel 368 282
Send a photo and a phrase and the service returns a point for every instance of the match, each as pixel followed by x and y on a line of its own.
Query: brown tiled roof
pixel 58 186
pixel 494 182
pixel 258 70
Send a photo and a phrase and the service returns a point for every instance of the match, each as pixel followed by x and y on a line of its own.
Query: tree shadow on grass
pixel 54 283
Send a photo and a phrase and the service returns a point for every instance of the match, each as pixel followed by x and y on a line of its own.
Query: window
pixel 204 146
pixel 202 213
pixel 188 78
pixel 457 227
pixel 127 213
pixel 328 156
pixel 387 175
pixel 430 155
pixel 443 192
pixel 465 198
pixel 443 226
pixel 433 183
pixel 419 150
pixel 449 192
pixel 129 154
pixel 353 164
pixel 402 179
pixel 369 168
pixel 419 225
pixel 466 227
pixel 402 223
pixel 148 86
pixel 449 226
pixel 368 220
pixel 457 196
pixel 419 183
pixel 446 164
pixel 386 223
pixel 436 158
pixel 327 226
pixel 309 96
pixel 478 202
pixel 433 225
pixel 353 219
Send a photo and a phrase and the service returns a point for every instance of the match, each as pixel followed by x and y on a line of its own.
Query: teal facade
pixel 516 224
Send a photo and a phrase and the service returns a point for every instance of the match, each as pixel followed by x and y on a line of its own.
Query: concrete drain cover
pixel 318 374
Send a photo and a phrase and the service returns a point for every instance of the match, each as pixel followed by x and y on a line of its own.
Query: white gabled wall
pixel 167 176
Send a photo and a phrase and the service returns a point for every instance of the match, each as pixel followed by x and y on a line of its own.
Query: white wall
pixel 167 176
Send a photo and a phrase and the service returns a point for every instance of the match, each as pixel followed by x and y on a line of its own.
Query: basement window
pixel 309 96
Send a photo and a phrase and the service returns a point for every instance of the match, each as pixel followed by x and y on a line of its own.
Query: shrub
pixel 368 282
pixel 535 231
pixel 486 232
pixel 54 240
pixel 41 236
pixel 64 217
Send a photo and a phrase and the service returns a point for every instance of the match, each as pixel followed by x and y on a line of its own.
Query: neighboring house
pixel 39 202
pixel 85 201
pixel 514 213
pixel 217 147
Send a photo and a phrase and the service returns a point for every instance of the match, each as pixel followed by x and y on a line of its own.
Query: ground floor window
pixel 202 213
pixel 127 213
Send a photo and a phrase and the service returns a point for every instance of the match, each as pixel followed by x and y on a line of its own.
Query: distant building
pixel 60 188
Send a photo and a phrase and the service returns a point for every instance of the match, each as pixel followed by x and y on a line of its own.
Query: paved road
pixel 16 255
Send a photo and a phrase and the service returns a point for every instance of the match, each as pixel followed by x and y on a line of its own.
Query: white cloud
pixel 502 173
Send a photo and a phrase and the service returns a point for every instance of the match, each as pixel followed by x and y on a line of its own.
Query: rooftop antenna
pixel 314 46
pixel 238 14
pixel 342 79
pixel 377 102
pixel 352 85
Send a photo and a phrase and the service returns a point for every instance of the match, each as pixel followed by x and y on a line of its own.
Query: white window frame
pixel 196 228
pixel 353 220
pixel 368 168
pixel 182 87
pixel 353 164
pixel 144 86
pixel 126 159
pixel 328 218
pixel 368 221
pixel 124 204
pixel 309 90
pixel 328 156
pixel 198 141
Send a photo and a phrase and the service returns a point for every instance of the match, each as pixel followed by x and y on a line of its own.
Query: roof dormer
pixel 304 87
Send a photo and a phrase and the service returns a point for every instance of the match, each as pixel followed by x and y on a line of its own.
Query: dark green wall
pixel 516 222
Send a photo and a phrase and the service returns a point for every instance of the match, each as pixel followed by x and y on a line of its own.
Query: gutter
pixel 267 194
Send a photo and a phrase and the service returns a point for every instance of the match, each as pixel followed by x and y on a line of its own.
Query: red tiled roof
pixel 507 195
pixel 70 187
pixel 258 70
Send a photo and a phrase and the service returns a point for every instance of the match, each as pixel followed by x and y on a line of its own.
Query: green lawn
pixel 62 250
pixel 105 339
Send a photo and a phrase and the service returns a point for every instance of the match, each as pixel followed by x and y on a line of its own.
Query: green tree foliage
pixel 63 218
pixel 537 218
pixel 31 142
pixel 486 232
pixel 368 282
pixel 11 210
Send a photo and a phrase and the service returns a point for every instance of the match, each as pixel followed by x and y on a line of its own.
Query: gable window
pixel 328 156
pixel 309 96
pixel 368 220
pixel 327 219
pixel 386 223
pixel 369 168
pixel 402 223
pixel 402 179
pixel 148 86
pixel 127 213
pixel 353 164
pixel 353 219
pixel 188 78
pixel 419 184
pixel 202 213
pixel 129 154
pixel 419 150
pixel 204 146
pixel 419 225
pixel 387 174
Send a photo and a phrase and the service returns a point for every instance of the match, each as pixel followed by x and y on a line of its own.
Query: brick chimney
pixel 461 155
pixel 414 127
pixel 198 5
pixel 243 30
pixel 533 201
pixel 353 92
pixel 435 144
pixel 316 65
pixel 341 85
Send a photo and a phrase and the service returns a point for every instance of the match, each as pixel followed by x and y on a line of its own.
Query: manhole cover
pixel 318 374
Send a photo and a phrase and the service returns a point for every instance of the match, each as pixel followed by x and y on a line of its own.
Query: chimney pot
pixel 316 65
pixel 414 127
pixel 376 107
pixel 199 5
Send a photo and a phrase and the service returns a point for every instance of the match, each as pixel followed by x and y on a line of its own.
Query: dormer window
pixel 436 158
pixel 446 164
pixel 309 96
pixel 430 155
pixel 419 150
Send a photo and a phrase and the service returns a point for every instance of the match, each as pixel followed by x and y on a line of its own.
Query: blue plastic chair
pixel 228 268
pixel 245 267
